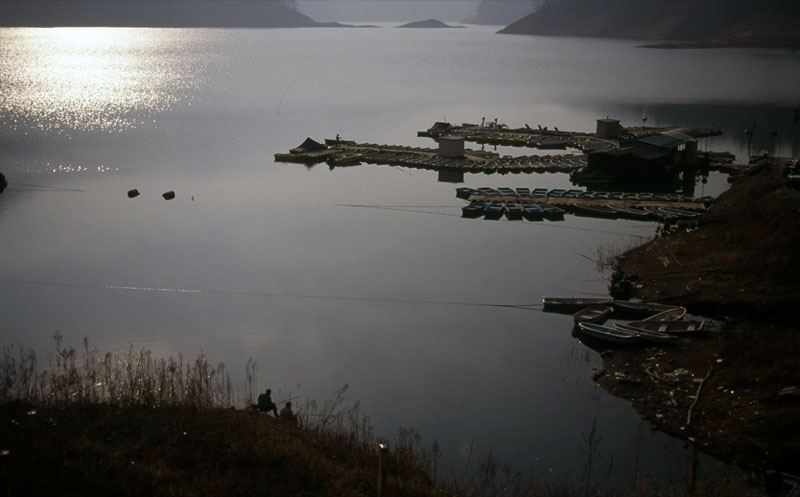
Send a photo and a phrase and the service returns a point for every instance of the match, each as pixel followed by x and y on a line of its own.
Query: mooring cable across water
pixel 530 307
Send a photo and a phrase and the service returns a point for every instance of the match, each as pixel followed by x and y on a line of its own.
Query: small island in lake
pixel 428 23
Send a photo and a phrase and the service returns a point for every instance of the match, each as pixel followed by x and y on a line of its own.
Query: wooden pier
pixel 543 138
pixel 338 153
pixel 520 137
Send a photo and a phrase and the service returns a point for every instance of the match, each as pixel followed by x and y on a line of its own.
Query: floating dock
pixel 544 138
pixel 521 137
pixel 339 153
pixel 666 208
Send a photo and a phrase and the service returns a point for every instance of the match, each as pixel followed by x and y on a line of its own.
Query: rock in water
pixel 133 193
pixel 169 195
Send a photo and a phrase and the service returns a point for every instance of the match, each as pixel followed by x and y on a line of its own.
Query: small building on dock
pixel 451 146
pixel 655 158
pixel 608 129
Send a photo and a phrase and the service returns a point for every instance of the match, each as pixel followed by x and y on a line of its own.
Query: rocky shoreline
pixel 734 392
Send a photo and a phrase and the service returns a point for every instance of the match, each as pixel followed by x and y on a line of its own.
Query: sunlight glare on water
pixel 90 78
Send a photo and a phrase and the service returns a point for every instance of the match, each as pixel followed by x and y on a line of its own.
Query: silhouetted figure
pixel 337 137
pixel 287 414
pixel 265 403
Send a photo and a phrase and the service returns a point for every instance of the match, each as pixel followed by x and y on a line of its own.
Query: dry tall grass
pixel 127 423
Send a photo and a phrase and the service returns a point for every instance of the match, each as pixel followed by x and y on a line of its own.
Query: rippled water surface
pixel 362 275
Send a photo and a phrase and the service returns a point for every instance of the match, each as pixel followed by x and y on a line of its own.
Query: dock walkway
pixel 337 153
pixel 543 138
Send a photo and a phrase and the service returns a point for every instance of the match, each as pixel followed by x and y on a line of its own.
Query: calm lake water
pixel 257 259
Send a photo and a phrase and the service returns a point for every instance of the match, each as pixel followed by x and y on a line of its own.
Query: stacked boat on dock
pixel 536 204
pixel 657 323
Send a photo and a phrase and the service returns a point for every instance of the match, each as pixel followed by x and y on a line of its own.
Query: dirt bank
pixel 731 389
pixel 740 261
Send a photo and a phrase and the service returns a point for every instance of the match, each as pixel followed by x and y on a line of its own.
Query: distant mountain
pixel 771 23
pixel 428 23
pixel 502 12
pixel 154 13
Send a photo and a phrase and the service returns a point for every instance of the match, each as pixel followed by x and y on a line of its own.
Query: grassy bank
pixel 740 261
pixel 127 423
pixel 104 450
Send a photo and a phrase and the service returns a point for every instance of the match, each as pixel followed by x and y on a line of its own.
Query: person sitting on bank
pixel 265 403
pixel 287 414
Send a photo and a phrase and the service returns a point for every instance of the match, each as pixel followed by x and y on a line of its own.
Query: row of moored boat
pixel 467 192
pixel 532 204
pixel 658 323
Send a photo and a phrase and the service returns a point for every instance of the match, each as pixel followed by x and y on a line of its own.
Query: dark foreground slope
pixel 134 451
pixel 162 13
pixel 770 23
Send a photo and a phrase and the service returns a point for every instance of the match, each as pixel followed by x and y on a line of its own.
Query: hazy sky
pixel 387 10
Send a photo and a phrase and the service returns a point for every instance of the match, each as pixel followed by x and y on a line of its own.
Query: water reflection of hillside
pixel 732 118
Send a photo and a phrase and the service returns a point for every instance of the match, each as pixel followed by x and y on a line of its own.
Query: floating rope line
pixel 269 294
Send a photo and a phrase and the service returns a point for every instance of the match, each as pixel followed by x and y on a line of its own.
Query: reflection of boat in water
pixel 532 212
pixel 552 212
pixel 630 212
pixel 569 305
pixel 494 210
pixel 609 334
pixel 473 209
pixel 594 211
pixel 513 210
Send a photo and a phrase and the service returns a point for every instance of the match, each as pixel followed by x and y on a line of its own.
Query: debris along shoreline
pixel 732 392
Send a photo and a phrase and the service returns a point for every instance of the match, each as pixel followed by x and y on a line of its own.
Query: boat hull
pixel 609 334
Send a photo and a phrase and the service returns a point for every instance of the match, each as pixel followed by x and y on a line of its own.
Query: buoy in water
pixel 133 193
pixel 169 195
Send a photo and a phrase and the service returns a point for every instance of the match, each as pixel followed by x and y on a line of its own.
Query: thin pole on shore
pixel 383 449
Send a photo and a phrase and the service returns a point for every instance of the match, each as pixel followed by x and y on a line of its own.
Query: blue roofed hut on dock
pixel 650 159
